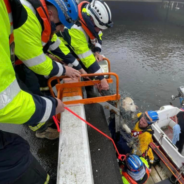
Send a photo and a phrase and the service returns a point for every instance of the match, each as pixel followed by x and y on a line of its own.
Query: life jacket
pixel 137 133
pixel 84 26
pixel 131 180
pixel 43 17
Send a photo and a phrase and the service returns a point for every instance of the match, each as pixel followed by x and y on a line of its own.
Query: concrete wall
pixel 167 11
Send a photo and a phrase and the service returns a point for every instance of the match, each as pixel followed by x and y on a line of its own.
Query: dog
pixel 128 111
pixel 121 126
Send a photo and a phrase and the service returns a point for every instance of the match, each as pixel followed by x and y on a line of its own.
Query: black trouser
pixel 180 143
pixel 34 174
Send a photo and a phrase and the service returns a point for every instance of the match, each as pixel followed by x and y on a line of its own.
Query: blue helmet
pixel 135 167
pixel 134 163
pixel 67 11
pixel 151 117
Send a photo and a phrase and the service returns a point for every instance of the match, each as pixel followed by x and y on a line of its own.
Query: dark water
pixel 149 59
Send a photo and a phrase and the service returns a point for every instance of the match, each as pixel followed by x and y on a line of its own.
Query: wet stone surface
pixel 45 151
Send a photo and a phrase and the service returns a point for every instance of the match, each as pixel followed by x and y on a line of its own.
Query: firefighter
pixel 85 39
pixel 17 106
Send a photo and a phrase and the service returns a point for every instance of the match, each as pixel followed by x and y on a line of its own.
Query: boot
pixel 49 133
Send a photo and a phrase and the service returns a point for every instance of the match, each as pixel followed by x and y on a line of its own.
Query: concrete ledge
pixel 74 160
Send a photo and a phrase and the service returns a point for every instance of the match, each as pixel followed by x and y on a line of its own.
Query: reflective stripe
pixel 47 179
pixel 55 44
pixel 98 45
pixel 70 65
pixel 35 128
pixel 26 3
pixel 35 61
pixel 99 71
pixel 9 94
pixel 48 110
pixel 44 88
pixel 10 17
pixel 60 69
pixel 75 63
pixel 84 55
pixel 100 34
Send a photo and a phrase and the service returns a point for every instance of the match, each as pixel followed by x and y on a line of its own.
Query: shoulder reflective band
pixel 55 45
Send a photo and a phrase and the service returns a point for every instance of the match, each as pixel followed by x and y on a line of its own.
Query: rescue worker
pixel 17 164
pixel 135 170
pixel 40 19
pixel 17 106
pixel 144 132
pixel 94 17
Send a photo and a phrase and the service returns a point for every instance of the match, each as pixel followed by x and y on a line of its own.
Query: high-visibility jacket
pixel 29 43
pixel 63 53
pixel 145 139
pixel 126 178
pixel 17 106
pixel 79 42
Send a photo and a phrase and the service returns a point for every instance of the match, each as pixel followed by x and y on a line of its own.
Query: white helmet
pixel 101 14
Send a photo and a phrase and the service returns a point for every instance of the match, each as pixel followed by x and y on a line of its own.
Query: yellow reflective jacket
pixel 16 105
pixel 29 46
pixel 144 140
pixel 62 52
pixel 77 41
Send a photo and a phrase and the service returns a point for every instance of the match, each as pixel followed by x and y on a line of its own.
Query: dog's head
pixel 129 105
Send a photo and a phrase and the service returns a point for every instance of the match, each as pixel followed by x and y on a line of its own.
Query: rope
pixel 120 156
